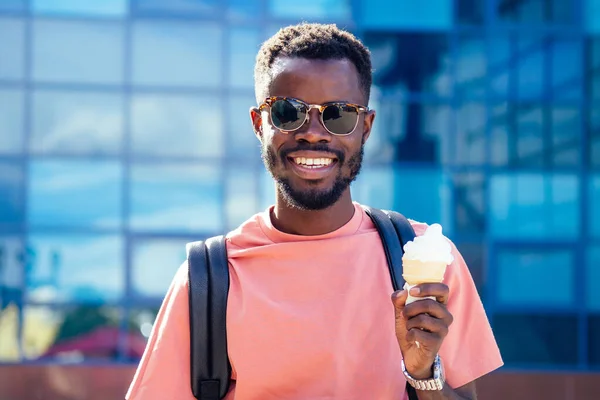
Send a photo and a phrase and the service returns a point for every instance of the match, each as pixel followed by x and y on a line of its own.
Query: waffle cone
pixel 415 272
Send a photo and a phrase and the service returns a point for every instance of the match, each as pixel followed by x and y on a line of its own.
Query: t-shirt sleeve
pixel 163 371
pixel 469 351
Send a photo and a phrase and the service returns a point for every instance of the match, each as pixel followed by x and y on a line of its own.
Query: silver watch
pixel 435 383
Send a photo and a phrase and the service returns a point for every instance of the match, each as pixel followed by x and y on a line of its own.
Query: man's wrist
pixel 421 374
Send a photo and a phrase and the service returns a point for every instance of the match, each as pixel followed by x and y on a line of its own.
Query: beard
pixel 313 199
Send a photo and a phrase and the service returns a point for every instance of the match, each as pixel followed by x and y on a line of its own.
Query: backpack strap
pixel 395 231
pixel 208 274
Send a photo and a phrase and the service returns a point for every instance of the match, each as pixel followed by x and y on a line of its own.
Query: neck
pixel 294 221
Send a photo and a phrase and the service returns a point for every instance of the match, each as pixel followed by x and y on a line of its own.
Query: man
pixel 309 311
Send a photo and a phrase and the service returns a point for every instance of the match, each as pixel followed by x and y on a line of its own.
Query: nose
pixel 313 130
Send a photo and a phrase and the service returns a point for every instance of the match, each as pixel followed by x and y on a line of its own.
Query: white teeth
pixel 313 162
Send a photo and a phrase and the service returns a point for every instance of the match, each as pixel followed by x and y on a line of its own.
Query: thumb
pixel 399 299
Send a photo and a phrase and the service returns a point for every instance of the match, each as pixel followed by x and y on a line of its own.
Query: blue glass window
pixel 527 147
pixel 470 12
pixel 178 54
pixel 407 14
pixel 469 203
pixel 242 195
pixel 500 63
pixel 77 122
pixel 243 143
pixel 267 189
pixel 104 8
pixel 594 121
pixel 11 197
pixel 11 121
pixel 470 136
pixel 179 7
pixel 75 334
pixel 177 125
pixel 12 5
pixel 83 268
pixel 243 46
pixel 430 195
pixel 244 9
pixel 594 67
pixel 155 261
pixel 594 202
pixel 530 68
pixel 539 339
pixel 12 48
pixel 75 194
pixel 546 206
pixel 548 268
pixel 311 9
pixel 592 16
pixel 375 187
pixel 500 134
pixel 566 136
pixel 78 51
pixel 567 68
pixel 176 198
pixel 592 278
pixel 11 271
pixel 471 66
pixel 594 340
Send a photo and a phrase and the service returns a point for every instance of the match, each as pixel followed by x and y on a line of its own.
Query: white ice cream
pixel 432 246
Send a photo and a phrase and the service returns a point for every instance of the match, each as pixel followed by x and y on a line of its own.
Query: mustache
pixel 313 147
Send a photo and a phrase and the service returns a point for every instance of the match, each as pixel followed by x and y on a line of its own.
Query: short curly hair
pixel 312 41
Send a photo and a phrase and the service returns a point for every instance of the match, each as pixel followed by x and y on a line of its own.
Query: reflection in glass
pixel 78 334
pixel 471 66
pixel 244 9
pixel 470 12
pixel 594 334
pixel 428 72
pixel 594 202
pixel 566 136
pixel 267 189
pixel 12 180
pixel 471 119
pixel 11 121
pixel 106 8
pixel 243 143
pixel 375 187
pixel 549 338
pixel 183 7
pixel 12 257
pixel 177 53
pixel 175 198
pixel 244 43
pixel 594 129
pixel 310 9
pixel 474 254
pixel 12 48
pixel 81 268
pixel 177 125
pixel 546 206
pixel 78 51
pixel 75 193
pixel 592 277
pixel 525 12
pixel 530 68
pixel 593 68
pixel 77 122
pixel 501 134
pixel 546 267
pixel 242 196
pixel 155 262
pixel 500 54
pixel 527 147
pixel 470 206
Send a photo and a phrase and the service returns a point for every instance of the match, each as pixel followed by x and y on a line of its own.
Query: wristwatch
pixel 435 383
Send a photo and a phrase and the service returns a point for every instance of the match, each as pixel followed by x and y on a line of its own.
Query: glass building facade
pixel 124 134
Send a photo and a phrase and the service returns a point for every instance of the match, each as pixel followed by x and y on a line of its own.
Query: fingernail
pixel 415 291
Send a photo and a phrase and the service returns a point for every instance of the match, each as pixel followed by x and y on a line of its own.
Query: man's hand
pixel 421 326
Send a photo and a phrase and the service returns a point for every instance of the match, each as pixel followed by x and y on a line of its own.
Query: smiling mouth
pixel 312 163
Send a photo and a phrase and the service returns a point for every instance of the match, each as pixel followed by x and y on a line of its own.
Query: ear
pixel 368 125
pixel 256 118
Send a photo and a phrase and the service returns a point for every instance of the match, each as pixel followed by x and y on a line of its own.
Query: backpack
pixel 208 290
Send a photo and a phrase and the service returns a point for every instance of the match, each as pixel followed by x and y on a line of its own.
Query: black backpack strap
pixel 395 231
pixel 208 270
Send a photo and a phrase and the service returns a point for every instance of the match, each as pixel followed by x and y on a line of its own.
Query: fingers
pixel 399 298
pixel 426 340
pixel 438 290
pixel 428 323
pixel 429 308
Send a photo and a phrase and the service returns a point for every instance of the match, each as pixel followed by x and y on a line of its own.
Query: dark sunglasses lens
pixel 340 119
pixel 287 115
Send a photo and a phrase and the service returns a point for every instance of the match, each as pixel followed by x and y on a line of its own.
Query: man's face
pixel 312 167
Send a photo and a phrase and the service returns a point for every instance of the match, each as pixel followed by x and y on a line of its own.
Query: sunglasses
pixel 289 114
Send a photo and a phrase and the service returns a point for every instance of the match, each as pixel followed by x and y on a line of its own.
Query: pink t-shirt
pixel 310 317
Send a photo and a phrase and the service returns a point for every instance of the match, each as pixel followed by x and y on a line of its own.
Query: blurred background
pixel 124 134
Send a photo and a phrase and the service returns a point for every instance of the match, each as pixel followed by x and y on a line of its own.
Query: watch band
pixel 434 383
